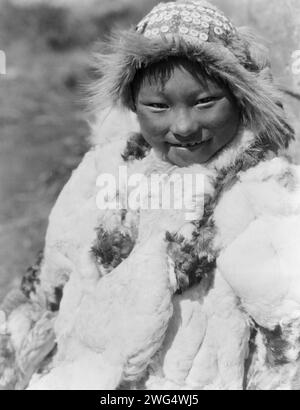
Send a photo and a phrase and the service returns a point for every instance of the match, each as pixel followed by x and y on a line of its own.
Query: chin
pixel 184 163
pixel 182 160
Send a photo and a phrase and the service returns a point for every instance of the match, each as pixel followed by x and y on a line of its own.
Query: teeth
pixel 192 144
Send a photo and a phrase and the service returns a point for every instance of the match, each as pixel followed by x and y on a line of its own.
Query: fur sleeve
pixel 75 215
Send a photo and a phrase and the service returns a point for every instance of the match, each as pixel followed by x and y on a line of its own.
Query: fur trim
pixel 111 248
pixel 113 124
pixel 31 282
pixel 136 148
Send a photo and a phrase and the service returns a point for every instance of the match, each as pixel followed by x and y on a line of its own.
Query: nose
pixel 183 125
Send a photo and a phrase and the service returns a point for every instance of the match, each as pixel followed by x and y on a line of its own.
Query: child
pixel 162 302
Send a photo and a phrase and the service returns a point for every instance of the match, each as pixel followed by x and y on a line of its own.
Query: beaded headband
pixel 194 21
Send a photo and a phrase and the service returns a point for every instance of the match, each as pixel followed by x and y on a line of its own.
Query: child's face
pixel 187 120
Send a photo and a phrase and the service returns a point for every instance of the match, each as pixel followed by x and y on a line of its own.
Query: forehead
pixel 179 80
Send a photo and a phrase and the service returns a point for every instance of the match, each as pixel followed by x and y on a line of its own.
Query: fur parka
pixel 127 322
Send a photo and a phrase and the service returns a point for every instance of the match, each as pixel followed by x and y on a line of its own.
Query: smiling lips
pixel 187 144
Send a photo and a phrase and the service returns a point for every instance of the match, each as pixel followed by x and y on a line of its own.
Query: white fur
pixel 123 322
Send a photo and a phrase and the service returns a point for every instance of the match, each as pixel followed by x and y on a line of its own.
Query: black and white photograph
pixel 149 197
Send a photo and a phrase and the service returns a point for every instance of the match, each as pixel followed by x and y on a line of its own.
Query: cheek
pixel 224 116
pixel 226 124
pixel 153 127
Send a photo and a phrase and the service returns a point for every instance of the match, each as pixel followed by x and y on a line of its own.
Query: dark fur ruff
pixel 241 65
pixel 136 148
pixel 112 247
pixel 31 282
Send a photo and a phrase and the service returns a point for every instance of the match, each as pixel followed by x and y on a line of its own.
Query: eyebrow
pixel 156 92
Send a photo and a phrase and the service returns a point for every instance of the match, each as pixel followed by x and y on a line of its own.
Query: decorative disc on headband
pixel 194 20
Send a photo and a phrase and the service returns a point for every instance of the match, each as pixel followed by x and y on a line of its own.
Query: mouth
pixel 188 145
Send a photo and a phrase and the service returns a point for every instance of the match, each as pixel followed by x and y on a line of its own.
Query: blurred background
pixel 44 132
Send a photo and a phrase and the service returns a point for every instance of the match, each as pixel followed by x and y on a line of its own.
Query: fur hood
pixel 235 59
pixel 242 66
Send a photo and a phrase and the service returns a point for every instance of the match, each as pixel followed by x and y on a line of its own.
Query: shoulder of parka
pixel 270 188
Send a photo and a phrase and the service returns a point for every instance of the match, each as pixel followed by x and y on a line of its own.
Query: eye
pixel 157 106
pixel 207 101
